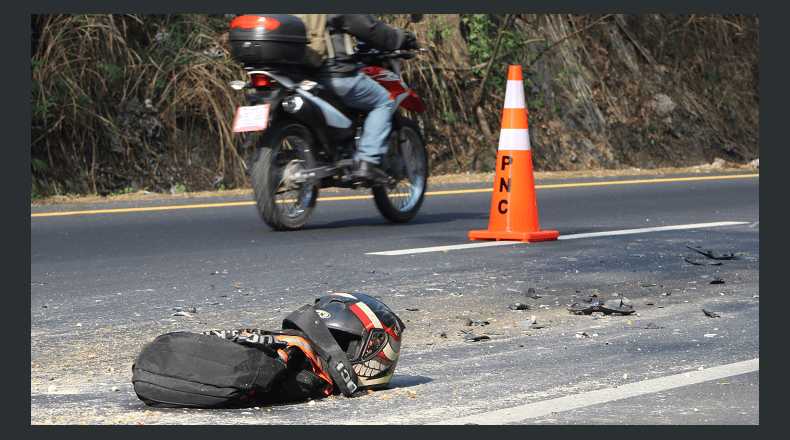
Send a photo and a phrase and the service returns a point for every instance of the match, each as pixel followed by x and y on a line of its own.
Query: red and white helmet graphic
pixel 368 331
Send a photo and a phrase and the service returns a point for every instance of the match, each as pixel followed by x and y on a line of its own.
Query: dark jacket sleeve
pixel 364 27
pixel 369 29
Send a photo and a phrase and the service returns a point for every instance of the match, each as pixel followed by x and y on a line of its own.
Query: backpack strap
pixel 295 339
pixel 317 334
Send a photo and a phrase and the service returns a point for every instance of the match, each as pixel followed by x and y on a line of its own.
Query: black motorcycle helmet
pixel 368 331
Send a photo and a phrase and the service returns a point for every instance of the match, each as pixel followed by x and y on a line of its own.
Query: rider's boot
pixel 371 173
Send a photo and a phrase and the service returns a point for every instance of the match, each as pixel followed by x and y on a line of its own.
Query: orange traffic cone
pixel 514 210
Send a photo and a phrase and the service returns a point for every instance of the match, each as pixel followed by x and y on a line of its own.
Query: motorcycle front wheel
pixel 282 203
pixel 406 163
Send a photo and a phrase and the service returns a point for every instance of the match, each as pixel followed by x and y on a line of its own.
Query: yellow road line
pixel 430 193
pixel 620 182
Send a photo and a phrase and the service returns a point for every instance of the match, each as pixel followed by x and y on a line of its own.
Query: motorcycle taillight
pixel 253 21
pixel 262 81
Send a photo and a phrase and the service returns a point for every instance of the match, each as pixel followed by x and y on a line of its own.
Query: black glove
pixel 410 42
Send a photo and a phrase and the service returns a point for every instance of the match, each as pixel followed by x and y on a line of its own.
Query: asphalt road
pixel 105 279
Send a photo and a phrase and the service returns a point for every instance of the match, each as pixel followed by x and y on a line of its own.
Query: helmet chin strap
pixel 317 334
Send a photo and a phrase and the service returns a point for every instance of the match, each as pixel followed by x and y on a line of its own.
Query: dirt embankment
pixel 613 92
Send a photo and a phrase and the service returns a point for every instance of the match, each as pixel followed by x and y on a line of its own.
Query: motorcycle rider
pixel 342 76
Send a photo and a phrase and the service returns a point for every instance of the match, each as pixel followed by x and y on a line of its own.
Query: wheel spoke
pixel 403 193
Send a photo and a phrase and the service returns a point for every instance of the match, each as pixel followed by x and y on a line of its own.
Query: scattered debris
pixel 717 281
pixel 212 303
pixel 618 303
pixel 474 338
pixel 651 325
pixel 530 321
pixel 519 306
pixel 599 307
pixel 441 334
pixel 469 322
pixel 185 309
pixel 582 335
pixel 412 310
pixel 710 314
pixel 710 255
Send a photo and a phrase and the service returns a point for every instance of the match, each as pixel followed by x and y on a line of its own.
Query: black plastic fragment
pixel 469 322
pixel 710 314
pixel 710 255
pixel 519 306
pixel 475 338
pixel 600 308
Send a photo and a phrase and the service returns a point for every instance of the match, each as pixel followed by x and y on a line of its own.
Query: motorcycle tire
pixel 400 200
pixel 281 204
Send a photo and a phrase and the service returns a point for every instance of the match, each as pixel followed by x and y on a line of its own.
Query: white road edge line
pixel 546 407
pixel 480 244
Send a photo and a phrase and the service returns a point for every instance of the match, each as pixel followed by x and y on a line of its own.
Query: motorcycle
pixel 309 138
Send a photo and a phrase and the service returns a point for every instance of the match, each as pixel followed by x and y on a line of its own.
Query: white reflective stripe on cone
pixel 514 95
pixel 514 139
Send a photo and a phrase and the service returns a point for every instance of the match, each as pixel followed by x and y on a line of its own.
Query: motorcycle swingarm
pixel 336 169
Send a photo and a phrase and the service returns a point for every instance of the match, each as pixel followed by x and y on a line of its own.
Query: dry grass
pixel 133 96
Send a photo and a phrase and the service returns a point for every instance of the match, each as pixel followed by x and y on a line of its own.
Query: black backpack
pixel 240 368
pixel 185 369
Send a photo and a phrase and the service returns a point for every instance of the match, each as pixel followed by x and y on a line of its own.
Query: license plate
pixel 251 118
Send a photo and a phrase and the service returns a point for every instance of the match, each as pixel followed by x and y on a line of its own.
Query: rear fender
pixel 333 117
pixel 321 142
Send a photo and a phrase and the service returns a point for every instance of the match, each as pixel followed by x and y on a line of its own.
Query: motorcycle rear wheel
pixel 282 204
pixel 400 200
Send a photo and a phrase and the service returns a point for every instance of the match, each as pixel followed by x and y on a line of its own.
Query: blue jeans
pixel 363 93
